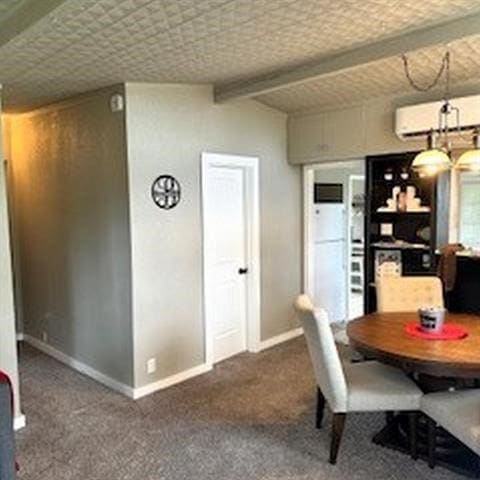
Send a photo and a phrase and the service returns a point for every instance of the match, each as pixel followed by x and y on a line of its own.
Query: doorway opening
pixel 334 217
pixel 231 246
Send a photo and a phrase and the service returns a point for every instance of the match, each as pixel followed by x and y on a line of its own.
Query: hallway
pixel 251 418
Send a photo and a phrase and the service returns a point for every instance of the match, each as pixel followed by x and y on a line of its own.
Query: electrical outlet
pixel 45 337
pixel 117 103
pixel 151 366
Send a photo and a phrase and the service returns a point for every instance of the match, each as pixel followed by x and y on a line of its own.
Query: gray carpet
pixel 251 418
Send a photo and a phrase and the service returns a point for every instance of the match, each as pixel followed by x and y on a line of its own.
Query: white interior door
pixel 227 247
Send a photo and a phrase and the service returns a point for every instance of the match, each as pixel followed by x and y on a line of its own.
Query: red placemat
pixel 451 331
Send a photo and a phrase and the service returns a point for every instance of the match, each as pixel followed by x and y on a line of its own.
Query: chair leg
pixel 431 442
pixel 389 418
pixel 320 408
pixel 337 432
pixel 412 427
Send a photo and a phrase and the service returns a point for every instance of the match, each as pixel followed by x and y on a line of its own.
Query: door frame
pixel 308 242
pixel 250 167
pixel 351 179
pixel 308 248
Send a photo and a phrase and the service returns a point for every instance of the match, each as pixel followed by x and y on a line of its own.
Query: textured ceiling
pixel 86 44
pixel 385 77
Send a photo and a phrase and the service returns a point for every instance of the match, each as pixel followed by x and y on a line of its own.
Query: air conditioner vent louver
pixel 415 121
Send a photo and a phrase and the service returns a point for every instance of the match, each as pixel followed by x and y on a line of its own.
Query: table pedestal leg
pixel 450 453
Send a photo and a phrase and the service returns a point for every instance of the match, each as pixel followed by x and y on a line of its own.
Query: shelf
pixel 392 246
pixel 396 212
pixel 407 228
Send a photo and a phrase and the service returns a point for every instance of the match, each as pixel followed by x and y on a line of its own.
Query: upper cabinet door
pixel 329 135
pixel 344 133
pixel 305 137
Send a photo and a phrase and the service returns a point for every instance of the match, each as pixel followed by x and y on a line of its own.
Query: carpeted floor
pixel 251 418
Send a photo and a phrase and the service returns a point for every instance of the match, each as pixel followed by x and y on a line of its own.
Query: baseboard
pixel 283 337
pixel 136 393
pixel 19 422
pixel 170 381
pixel 206 367
pixel 80 366
pixel 20 337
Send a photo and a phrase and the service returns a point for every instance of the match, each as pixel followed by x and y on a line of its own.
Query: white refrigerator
pixel 330 277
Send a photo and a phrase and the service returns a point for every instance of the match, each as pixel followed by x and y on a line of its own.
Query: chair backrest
pixel 323 353
pixel 408 294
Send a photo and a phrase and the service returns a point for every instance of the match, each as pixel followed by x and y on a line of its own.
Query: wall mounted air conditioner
pixel 415 121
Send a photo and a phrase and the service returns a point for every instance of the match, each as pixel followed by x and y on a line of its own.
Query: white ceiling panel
pixel 86 44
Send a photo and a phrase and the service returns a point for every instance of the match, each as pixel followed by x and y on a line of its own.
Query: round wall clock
pixel 166 192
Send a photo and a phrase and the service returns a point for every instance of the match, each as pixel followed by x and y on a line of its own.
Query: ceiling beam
pixel 443 33
pixel 25 15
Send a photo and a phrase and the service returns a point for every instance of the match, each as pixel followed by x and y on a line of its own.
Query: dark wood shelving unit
pixel 418 254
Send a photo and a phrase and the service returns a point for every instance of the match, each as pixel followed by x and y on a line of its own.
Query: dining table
pixel 433 364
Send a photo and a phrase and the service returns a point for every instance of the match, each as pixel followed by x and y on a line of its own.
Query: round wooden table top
pixel 382 336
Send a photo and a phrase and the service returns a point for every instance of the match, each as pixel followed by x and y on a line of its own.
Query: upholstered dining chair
pixel 459 413
pixel 408 294
pixel 352 387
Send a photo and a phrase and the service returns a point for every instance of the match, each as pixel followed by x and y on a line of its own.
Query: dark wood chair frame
pixel 338 426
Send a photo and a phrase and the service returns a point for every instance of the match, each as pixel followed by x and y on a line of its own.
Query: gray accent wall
pixel 168 127
pixel 8 345
pixel 71 214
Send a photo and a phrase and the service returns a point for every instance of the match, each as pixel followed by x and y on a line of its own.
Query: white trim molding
pixel 308 251
pixel 251 167
pixel 139 392
pixel 80 366
pixel 133 393
pixel 283 337
pixel 170 381
pixel 19 422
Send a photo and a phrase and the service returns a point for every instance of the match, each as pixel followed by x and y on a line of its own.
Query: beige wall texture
pixel 168 126
pixel 8 344
pixel 72 230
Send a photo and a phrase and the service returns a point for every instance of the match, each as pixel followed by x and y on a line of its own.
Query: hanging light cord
pixel 447 108
pixel 444 67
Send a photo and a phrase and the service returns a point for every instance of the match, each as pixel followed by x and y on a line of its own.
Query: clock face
pixel 166 192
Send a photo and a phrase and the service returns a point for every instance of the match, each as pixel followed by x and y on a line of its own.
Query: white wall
pixel 168 126
pixel 8 345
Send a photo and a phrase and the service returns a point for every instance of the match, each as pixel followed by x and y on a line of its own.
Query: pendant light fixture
pixel 470 160
pixel 436 158
pixel 433 160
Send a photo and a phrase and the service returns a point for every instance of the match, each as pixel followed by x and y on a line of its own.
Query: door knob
pixel 242 271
